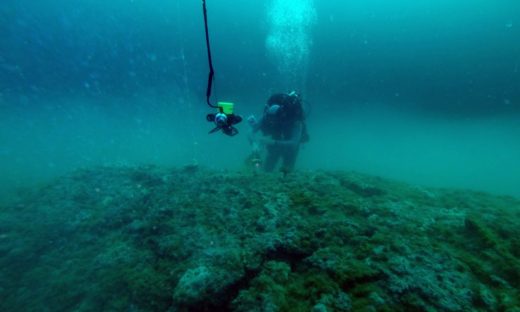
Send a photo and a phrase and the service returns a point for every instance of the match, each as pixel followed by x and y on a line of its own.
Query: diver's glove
pixel 251 120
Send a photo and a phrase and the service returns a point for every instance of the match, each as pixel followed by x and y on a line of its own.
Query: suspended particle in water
pixel 152 56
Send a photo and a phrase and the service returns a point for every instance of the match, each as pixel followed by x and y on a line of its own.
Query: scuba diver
pixel 284 130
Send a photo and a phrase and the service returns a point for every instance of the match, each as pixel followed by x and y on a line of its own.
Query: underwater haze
pixel 426 92
pixel 114 196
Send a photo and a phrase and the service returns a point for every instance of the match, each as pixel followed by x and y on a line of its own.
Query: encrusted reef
pixel 156 239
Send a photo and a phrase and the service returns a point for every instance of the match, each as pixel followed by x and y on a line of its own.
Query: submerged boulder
pixel 156 239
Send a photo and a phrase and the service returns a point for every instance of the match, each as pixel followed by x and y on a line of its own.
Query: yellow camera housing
pixel 226 107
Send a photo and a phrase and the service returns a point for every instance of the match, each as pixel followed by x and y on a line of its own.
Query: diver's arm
pixel 296 136
pixel 255 125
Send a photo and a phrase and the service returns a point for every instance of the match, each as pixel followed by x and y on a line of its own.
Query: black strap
pixel 211 71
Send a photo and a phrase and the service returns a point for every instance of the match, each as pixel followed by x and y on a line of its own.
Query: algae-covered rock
pixel 339 301
pixel 433 279
pixel 202 284
pixel 156 239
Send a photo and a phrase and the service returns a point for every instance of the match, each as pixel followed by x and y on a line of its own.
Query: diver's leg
pixel 273 154
pixel 289 158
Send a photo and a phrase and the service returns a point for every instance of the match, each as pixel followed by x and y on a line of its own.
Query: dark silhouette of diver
pixel 284 129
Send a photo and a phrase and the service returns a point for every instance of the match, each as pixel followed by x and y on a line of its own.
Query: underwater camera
pixel 224 119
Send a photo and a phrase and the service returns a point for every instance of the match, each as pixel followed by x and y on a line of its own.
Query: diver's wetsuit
pixel 286 137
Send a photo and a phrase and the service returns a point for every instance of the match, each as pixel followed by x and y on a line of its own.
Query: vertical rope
pixel 210 61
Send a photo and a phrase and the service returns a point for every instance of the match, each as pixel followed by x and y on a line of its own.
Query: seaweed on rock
pixel 156 239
